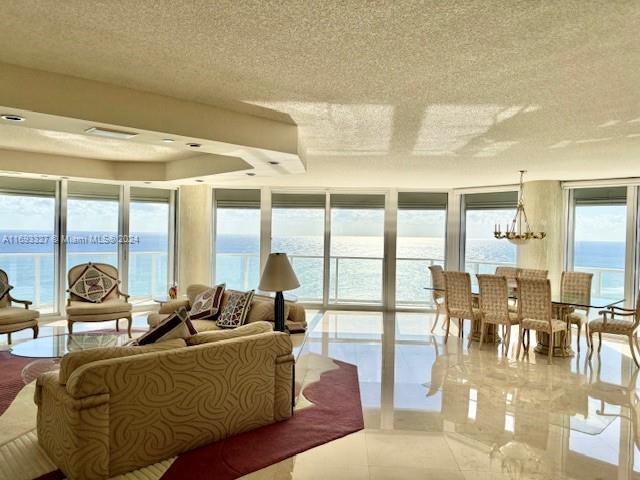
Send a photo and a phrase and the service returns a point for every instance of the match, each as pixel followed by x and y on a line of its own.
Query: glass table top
pixel 58 346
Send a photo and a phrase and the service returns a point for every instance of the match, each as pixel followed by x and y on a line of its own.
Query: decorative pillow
pixel 206 306
pixel 4 288
pixel 263 311
pixel 93 284
pixel 176 325
pixel 234 311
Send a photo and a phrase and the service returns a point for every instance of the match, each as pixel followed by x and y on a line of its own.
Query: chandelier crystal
pixel 518 231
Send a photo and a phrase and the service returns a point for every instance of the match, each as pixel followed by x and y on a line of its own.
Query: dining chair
pixel 458 300
pixel 494 307
pixel 437 283
pixel 532 273
pixel 608 323
pixel 535 311
pixel 510 273
pixel 575 287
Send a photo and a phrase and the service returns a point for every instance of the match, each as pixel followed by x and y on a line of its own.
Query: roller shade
pixel 600 196
pixel 141 194
pixel 490 200
pixel 227 198
pixel 422 201
pixel 356 201
pixel 295 200
pixel 97 191
pixel 27 186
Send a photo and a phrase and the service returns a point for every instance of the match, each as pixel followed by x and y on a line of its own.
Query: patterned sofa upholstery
pixel 119 414
pixel 261 310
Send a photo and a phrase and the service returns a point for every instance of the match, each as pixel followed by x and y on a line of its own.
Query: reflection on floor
pixel 448 412
pixel 452 412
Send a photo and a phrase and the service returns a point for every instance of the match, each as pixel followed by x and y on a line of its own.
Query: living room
pixel 311 240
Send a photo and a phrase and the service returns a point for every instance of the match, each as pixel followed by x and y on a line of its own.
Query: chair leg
pixel 9 338
pixel 633 351
pixel 447 321
pixel 129 322
pixel 435 322
pixel 590 345
pixel 520 342
pixel 550 348
pixel 507 342
pixel 599 342
pixel 460 326
pixel 118 325
pixel 587 334
pixel 482 326
pixel 36 330
pixel 70 326
pixel 578 337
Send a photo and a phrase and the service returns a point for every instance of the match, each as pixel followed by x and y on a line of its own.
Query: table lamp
pixel 278 276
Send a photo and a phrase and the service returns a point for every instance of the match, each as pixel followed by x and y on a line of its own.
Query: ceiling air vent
pixel 109 133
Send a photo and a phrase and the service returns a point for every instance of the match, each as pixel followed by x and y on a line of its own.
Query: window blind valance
pixel 236 198
pixel 141 194
pixel 297 200
pixel 600 196
pixel 27 186
pixel 422 201
pixel 340 200
pixel 490 200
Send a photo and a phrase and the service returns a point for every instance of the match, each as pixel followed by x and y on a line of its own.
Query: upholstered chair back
pixel 532 273
pixel 458 297
pixel 494 297
pixel 510 273
pixel 534 299
pixel 437 281
pixel 4 279
pixel 76 271
pixel 576 287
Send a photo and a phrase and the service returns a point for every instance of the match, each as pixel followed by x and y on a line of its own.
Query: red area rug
pixel 337 411
pixel 11 379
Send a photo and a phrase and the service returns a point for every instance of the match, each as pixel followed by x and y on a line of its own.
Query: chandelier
pixel 519 230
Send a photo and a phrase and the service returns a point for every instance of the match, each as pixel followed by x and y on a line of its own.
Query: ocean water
pixel 355 265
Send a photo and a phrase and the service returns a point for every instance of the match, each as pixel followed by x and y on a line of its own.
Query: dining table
pixel 562 305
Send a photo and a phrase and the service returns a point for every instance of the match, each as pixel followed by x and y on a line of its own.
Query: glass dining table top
pixel 559 299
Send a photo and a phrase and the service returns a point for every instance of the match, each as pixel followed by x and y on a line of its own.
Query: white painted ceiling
pixel 407 94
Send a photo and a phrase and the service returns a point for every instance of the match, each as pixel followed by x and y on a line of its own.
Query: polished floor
pixel 451 412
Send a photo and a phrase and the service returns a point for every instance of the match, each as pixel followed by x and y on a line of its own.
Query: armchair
pixel 114 306
pixel 13 319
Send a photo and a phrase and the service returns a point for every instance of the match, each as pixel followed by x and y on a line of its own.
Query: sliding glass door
pixel 599 238
pixel 357 248
pixel 422 219
pixel 27 239
pixel 149 234
pixel 237 238
pixel 92 223
pixel 482 252
pixel 297 229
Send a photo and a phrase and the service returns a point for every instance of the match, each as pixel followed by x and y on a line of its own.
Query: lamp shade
pixel 278 275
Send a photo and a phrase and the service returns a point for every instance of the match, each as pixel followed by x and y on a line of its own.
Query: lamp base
pixel 278 306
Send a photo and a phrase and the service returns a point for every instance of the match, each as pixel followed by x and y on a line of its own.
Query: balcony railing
pixel 33 274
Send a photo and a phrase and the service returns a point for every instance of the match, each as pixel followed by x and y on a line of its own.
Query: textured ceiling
pixel 396 93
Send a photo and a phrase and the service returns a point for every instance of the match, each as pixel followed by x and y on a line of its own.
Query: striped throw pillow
pixel 206 306
pixel 176 325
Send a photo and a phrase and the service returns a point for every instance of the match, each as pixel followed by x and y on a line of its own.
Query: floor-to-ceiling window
pixel 92 223
pixel 149 237
pixel 297 228
pixel 599 238
pixel 422 219
pixel 357 248
pixel 27 239
pixel 237 238
pixel 482 211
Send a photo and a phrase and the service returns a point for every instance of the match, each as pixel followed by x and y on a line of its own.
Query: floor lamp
pixel 278 276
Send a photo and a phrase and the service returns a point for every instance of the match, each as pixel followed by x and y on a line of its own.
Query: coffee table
pixel 49 350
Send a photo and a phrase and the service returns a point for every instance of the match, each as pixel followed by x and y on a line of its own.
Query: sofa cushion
pixel 234 311
pixel 207 304
pixel 93 284
pixel 113 305
pixel 263 311
pixel 176 325
pixel 71 361
pixel 217 335
pixel 11 315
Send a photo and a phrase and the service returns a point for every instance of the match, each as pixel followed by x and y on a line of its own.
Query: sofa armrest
pixel 174 305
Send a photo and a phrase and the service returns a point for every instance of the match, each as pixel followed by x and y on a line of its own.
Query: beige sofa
pixel 99 417
pixel 261 311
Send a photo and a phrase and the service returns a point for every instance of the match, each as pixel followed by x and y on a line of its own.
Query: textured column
pixel 544 207
pixel 194 242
